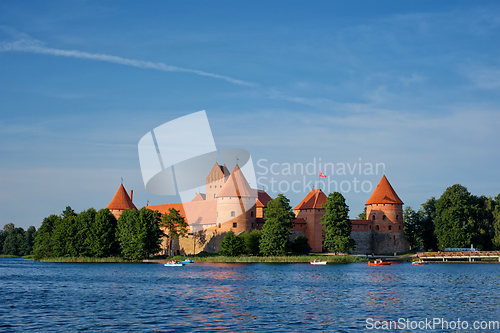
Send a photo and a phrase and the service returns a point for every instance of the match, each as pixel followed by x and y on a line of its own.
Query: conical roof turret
pixel 237 186
pixel 121 200
pixel 384 194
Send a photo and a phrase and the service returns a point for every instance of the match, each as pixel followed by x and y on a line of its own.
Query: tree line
pixel 273 239
pixel 135 235
pixel 457 219
pixel 16 241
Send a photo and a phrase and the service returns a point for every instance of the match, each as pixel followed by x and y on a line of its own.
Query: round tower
pixel 385 210
pixel 236 204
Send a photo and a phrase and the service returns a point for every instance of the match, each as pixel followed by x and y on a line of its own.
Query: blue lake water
pixel 61 297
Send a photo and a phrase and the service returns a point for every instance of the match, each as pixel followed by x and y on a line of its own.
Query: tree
pixel 362 216
pixel 300 245
pixel 30 240
pixel 231 245
pixel 412 227
pixel 279 221
pixel 426 233
pixel 175 226
pixel 14 243
pixel 101 235
pixel 496 223
pixel 138 233
pixel 337 225
pixel 43 248
pixel 251 241
pixel 455 217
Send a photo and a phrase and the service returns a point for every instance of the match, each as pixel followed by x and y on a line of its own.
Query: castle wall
pixel 313 230
pixel 363 241
pixel 232 214
pixel 386 243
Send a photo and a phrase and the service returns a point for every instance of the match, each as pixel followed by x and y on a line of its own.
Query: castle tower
pixel 385 210
pixel 311 210
pixel 120 202
pixel 236 204
pixel 215 180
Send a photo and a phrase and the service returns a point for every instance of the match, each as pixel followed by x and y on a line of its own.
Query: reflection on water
pixel 243 297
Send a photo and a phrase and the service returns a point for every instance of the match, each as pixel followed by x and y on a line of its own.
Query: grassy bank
pixel 8 256
pixel 89 260
pixel 276 259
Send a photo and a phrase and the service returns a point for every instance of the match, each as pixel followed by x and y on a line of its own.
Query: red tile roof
pixel 121 200
pixel 237 186
pixel 384 193
pixel 199 197
pixel 262 198
pixel 197 213
pixel 314 200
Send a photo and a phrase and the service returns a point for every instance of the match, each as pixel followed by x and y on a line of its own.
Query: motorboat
pixel 318 262
pixel 379 262
pixel 420 262
pixel 187 261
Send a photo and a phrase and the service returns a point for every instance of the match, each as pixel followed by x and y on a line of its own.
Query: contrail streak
pixel 35 46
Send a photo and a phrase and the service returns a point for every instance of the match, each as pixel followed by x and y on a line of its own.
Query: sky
pixel 410 86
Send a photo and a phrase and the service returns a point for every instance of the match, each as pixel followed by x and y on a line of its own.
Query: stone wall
pixel 363 241
pixel 389 243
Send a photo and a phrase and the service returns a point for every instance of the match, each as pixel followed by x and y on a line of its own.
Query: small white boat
pixel 174 264
pixel 318 262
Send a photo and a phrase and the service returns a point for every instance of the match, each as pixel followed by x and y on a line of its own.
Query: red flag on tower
pixel 322 175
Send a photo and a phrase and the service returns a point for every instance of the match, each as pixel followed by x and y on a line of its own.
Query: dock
pixel 459 256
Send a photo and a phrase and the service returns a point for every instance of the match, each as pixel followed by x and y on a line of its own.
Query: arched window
pixel 390 227
pixel 399 227
pixel 251 214
pixel 397 217
pixel 373 217
pixel 384 217
pixel 235 225
pixel 377 227
pixel 233 214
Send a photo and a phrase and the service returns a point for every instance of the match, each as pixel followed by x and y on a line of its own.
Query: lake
pixel 258 297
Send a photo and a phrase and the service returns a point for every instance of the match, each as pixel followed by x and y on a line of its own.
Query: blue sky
pixel 410 84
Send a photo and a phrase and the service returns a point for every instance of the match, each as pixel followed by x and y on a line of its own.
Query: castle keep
pixel 231 204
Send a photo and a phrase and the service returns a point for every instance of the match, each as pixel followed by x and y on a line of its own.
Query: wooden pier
pixel 459 256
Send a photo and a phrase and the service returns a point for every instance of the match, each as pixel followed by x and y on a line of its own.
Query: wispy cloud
pixel 24 43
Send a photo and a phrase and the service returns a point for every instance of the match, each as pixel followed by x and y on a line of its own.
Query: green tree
pixel 14 242
pixel 279 221
pixel 138 233
pixel 251 241
pixel 337 225
pixel 496 223
pixel 83 223
pixel 426 231
pixel 101 235
pixel 231 245
pixel 300 245
pixel 412 227
pixel 362 216
pixel 455 217
pixel 30 236
pixel 175 226
pixel 43 248
pixel 63 237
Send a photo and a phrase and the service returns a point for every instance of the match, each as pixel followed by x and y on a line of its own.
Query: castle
pixel 229 203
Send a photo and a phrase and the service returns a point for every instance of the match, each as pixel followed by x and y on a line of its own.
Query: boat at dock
pixel 379 262
pixel 173 264
pixel 318 262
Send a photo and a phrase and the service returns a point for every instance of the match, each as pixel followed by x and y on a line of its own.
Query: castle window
pixel 210 186
pixel 252 225
pixel 215 195
pixel 390 227
pixel 373 217
pixel 251 215
pixel 233 214
pixel 219 225
pixel 377 227
pixel 399 227
pixel 384 217
pixel 397 217
pixel 235 225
